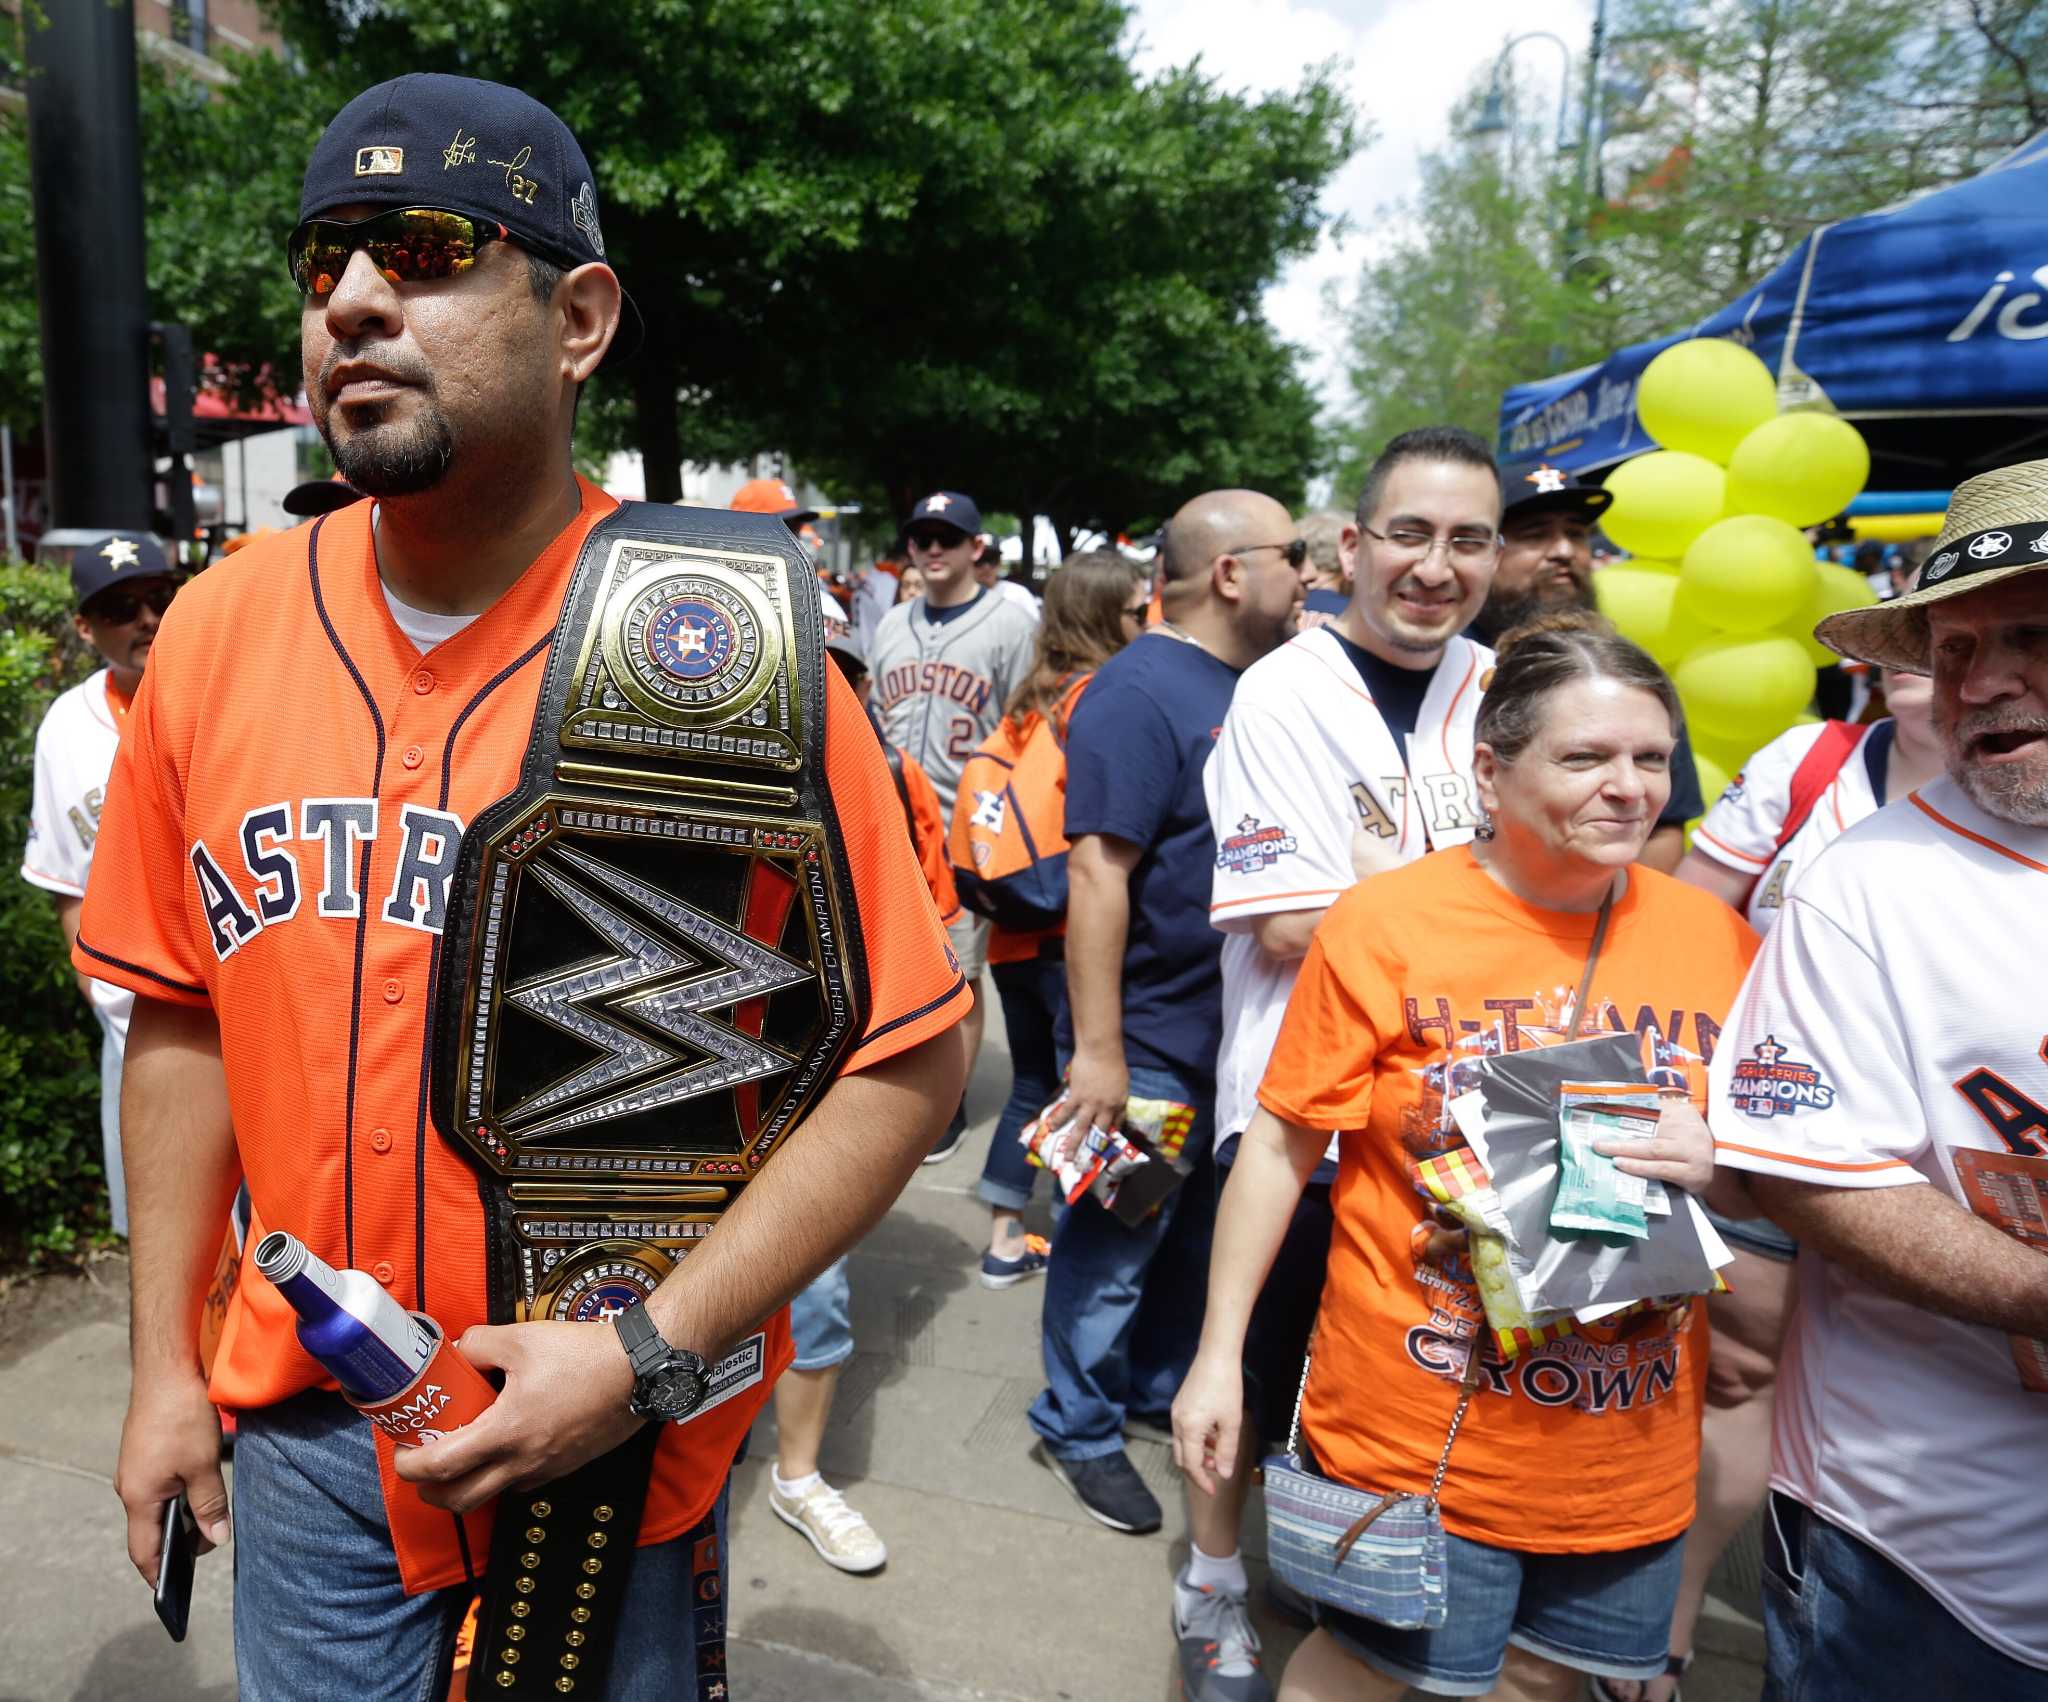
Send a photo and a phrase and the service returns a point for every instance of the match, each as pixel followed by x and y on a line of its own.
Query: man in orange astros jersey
pixel 334 722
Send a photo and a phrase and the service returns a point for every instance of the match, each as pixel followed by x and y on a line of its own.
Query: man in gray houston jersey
pixel 943 666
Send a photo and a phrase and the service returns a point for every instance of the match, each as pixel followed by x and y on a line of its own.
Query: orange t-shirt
pixel 286 746
pixel 1595 1446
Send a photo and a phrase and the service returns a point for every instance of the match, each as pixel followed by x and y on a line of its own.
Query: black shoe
pixel 1111 1489
pixel 949 1142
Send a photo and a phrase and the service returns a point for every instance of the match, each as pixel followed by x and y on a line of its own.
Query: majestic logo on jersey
pixel 1253 847
pixel 641 981
pixel 1772 1083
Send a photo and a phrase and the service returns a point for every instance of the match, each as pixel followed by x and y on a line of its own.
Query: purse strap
pixel 1585 992
pixel 1469 1382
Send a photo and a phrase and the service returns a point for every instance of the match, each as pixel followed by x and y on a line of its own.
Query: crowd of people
pixel 1265 845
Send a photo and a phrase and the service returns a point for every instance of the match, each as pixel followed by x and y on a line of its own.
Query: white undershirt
pixel 424 629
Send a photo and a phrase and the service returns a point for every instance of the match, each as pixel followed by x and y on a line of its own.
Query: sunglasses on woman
pixel 408 245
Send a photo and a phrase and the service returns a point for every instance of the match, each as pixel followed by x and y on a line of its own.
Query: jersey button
pixel 423 682
pixel 413 757
pixel 393 991
pixel 383 1272
pixel 380 1140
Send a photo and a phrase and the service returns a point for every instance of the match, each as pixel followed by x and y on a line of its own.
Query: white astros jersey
pixel 1885 1025
pixel 1308 795
pixel 941 686
pixel 74 754
pixel 1741 830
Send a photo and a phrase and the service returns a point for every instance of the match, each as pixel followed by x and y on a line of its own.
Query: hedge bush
pixel 53 1200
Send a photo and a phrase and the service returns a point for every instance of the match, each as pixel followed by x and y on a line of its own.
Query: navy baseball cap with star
pixel 466 146
pixel 946 508
pixel 1542 489
pixel 115 558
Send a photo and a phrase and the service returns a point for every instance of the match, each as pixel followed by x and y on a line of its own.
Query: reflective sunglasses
pixel 1294 552
pixel 408 245
pixel 118 608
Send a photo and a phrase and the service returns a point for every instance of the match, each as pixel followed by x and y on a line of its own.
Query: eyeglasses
pixel 1470 548
pixel 118 608
pixel 935 540
pixel 408 245
pixel 1136 612
pixel 1294 552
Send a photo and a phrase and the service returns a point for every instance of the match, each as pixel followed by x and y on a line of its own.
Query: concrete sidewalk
pixel 998 1585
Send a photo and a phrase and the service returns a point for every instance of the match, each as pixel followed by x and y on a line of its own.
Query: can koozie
pixel 446 1395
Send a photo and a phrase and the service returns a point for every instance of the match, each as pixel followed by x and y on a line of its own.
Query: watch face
pixel 674 1394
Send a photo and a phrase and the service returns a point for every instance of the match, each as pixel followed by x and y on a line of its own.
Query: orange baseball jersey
pixel 279 834
pixel 928 833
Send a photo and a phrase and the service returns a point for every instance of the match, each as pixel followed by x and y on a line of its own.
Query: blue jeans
pixel 1031 993
pixel 320 1614
pixel 1844 1624
pixel 1123 1307
pixel 820 1320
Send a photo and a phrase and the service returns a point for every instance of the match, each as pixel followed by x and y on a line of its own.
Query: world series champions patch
pixel 1770 1082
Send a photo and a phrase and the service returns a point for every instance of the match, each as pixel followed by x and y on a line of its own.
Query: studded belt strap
pixel 652 966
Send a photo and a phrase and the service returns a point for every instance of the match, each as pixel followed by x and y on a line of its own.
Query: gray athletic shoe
pixel 1219 1650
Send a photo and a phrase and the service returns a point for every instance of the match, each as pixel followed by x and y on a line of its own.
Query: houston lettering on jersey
pixel 260 881
pixel 935 679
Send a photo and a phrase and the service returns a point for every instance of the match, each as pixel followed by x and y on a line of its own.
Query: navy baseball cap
pixel 1549 490
pixel 115 558
pixel 428 140
pixel 946 508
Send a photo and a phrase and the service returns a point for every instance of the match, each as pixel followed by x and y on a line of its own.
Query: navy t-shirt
pixel 1140 736
pixel 952 611
pixel 1397 693
pixel 1326 600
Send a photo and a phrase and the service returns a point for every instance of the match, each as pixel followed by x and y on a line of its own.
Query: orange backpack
pixel 1009 840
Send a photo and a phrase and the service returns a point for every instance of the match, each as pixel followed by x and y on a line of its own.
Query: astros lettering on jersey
pixel 279 835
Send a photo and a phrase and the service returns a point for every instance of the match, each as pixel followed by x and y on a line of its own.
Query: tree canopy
pixel 1733 128
pixel 909 243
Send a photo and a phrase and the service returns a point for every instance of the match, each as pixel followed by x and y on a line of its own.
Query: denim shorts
pixel 820 1321
pixel 1604 1614
pixel 1757 1235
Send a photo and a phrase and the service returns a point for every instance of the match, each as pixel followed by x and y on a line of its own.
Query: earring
pixel 1484 831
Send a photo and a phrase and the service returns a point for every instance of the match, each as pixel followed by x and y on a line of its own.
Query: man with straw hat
pixel 1883 1080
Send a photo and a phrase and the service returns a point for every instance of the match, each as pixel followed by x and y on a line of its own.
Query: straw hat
pixel 1996 528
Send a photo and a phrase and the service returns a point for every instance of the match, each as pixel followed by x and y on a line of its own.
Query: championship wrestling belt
pixel 652 965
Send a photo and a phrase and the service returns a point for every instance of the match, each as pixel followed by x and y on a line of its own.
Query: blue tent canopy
pixel 1933 310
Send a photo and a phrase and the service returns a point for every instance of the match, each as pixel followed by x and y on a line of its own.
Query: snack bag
pixel 1457 1181
pixel 1592 1194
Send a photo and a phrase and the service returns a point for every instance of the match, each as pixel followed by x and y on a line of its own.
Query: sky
pixel 1408 61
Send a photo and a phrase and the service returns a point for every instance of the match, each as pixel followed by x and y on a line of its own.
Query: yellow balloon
pixel 1649 564
pixel 1802 468
pixel 1746 573
pixel 1835 588
pixel 1639 604
pixel 1705 396
pixel 1662 501
pixel 1714 779
pixel 1745 686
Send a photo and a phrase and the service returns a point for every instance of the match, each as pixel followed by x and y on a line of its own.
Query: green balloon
pixel 1705 396
pixel 1747 573
pixel 1662 501
pixel 1745 687
pixel 1801 468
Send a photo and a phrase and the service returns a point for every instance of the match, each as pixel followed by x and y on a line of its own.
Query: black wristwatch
pixel 669 1383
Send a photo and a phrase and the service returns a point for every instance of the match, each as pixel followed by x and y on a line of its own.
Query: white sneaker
pixel 842 1537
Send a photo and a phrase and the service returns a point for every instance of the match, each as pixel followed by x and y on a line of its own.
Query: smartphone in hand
pixel 174 1566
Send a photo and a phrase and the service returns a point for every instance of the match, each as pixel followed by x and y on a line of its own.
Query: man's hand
pixel 566 1389
pixel 1207 1415
pixel 1680 1153
pixel 1097 1086
pixel 170 1442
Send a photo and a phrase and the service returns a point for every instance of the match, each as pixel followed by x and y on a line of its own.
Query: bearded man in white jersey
pixel 1882 1078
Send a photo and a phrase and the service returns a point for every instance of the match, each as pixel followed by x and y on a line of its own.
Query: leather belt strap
pixel 652 965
